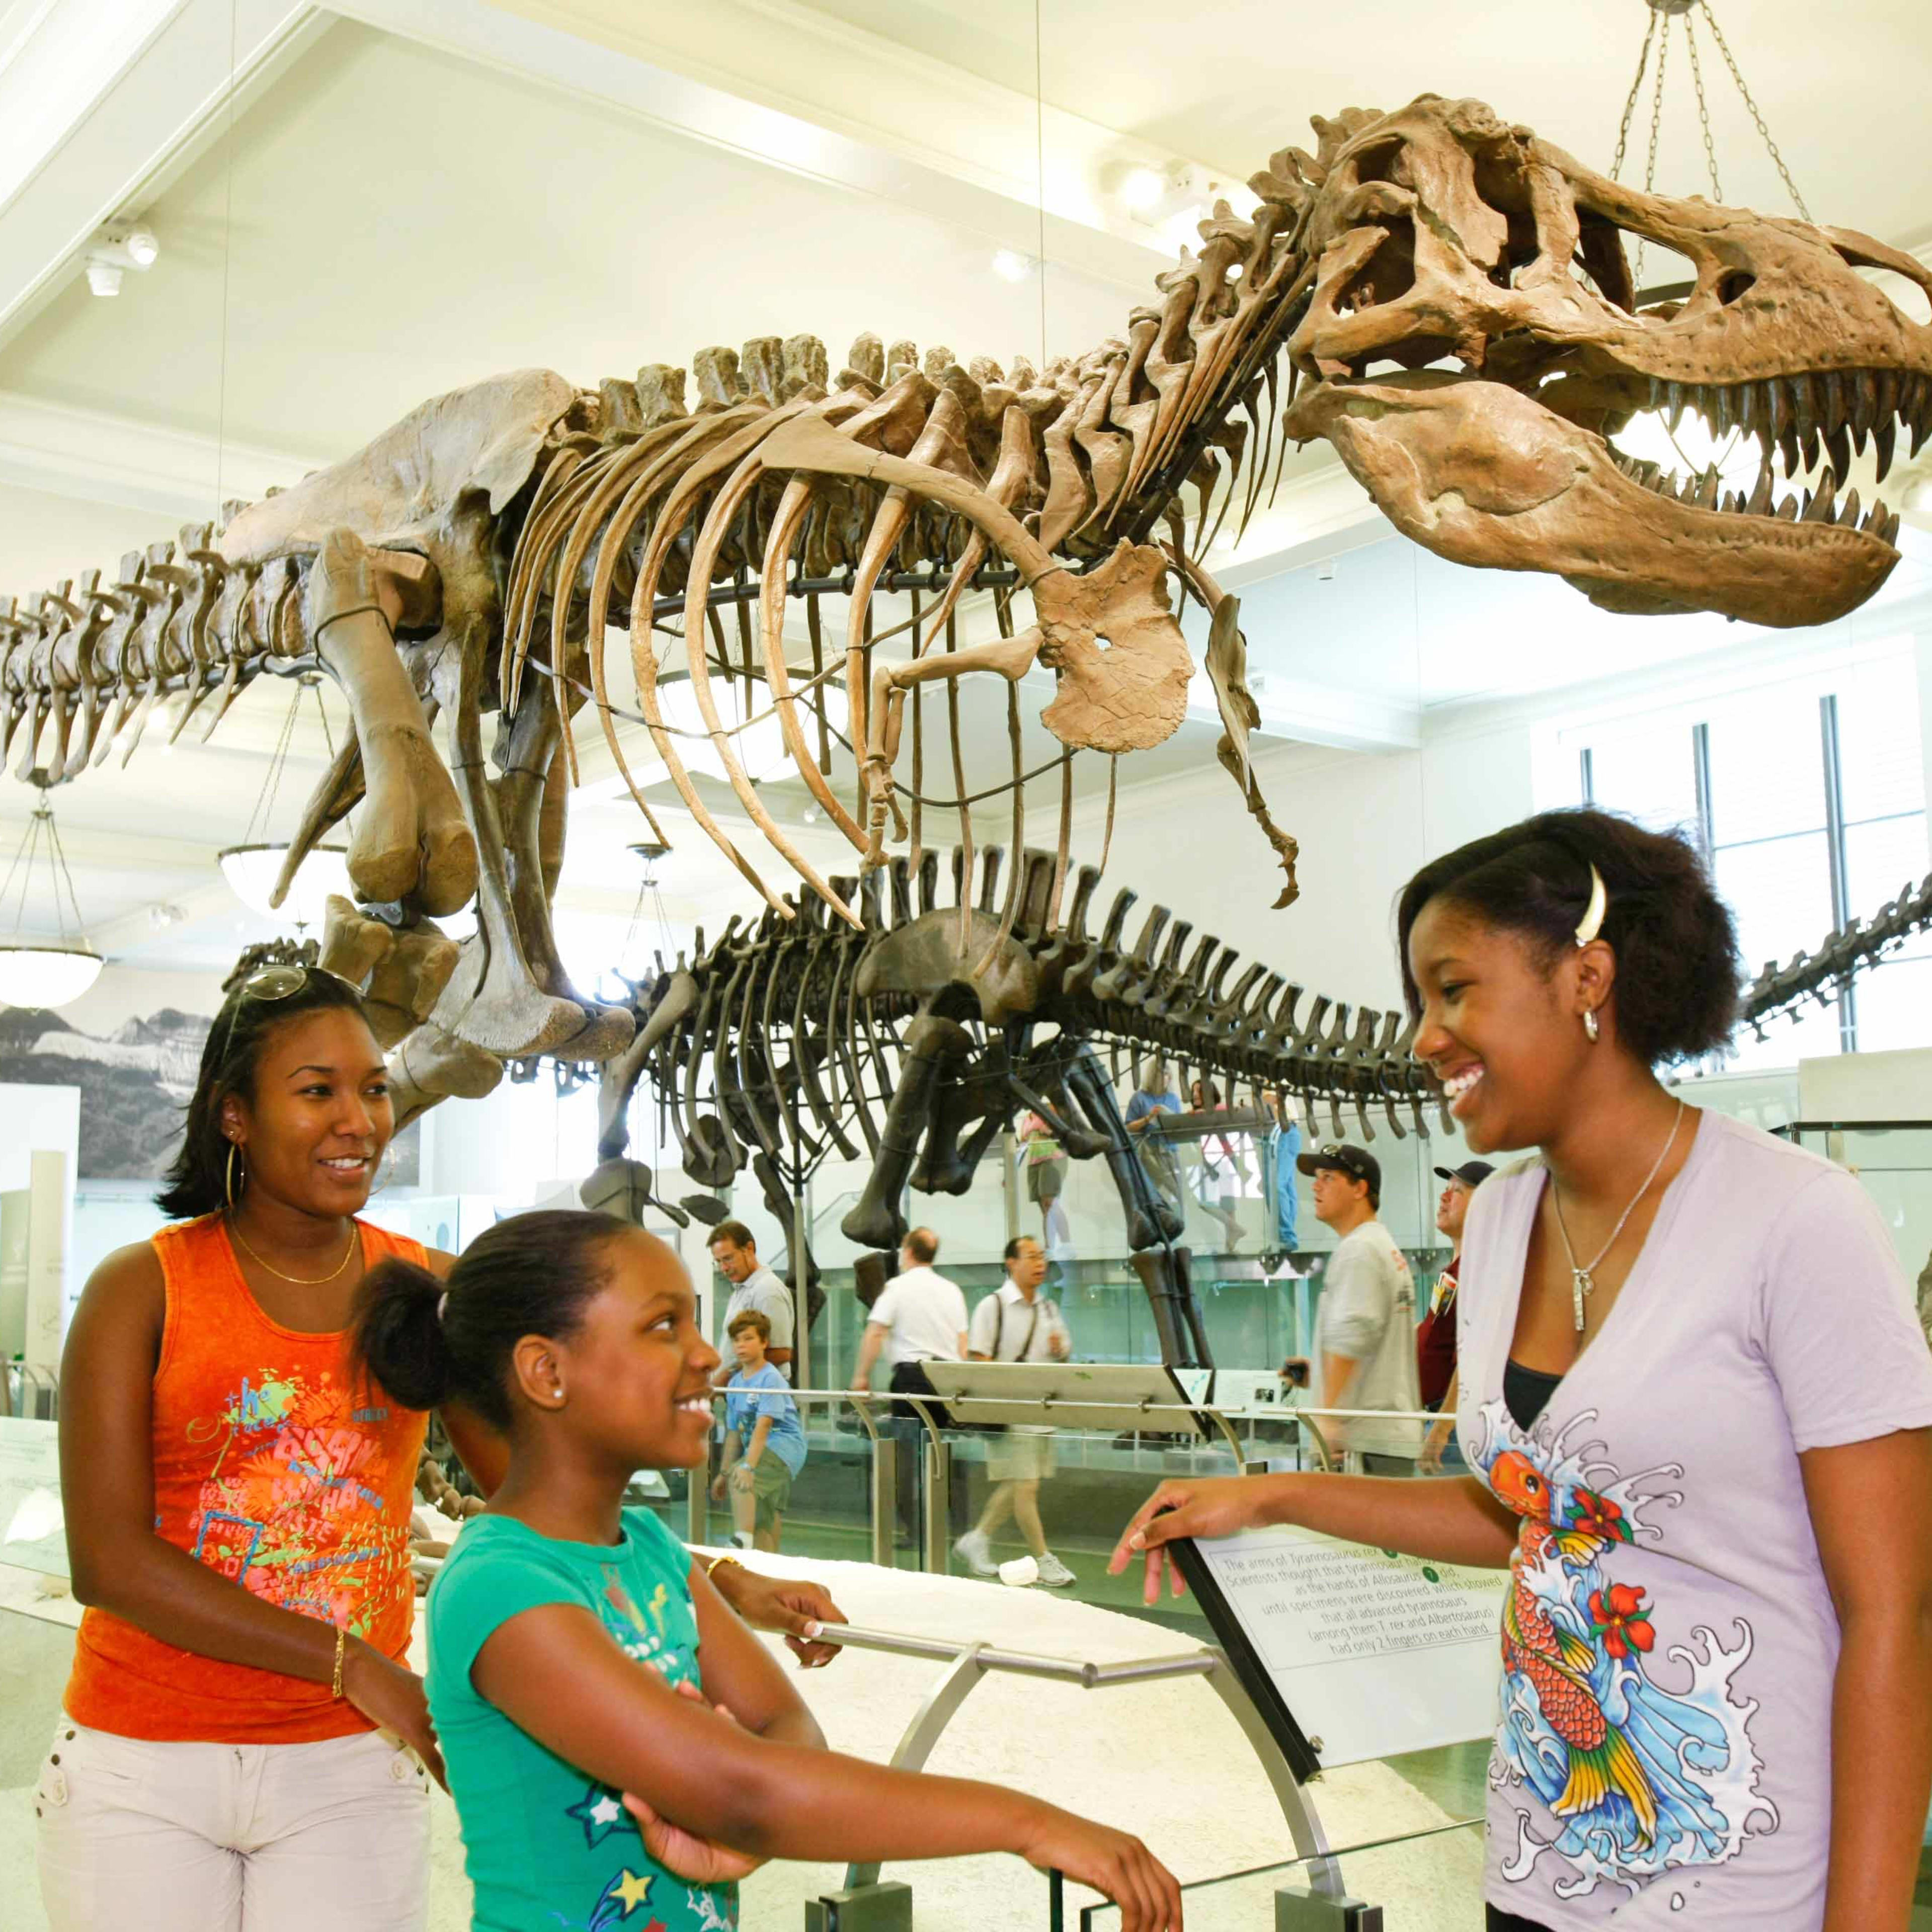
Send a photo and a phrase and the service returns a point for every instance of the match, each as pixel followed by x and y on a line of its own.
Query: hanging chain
pixel 1757 119
pixel 265 802
pixel 1703 109
pixel 1636 88
pixel 29 849
pixel 1650 163
pixel 63 876
pixel 57 867
pixel 1661 10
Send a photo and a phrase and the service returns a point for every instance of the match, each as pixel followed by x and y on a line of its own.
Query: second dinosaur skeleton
pixel 790 1040
pixel 1442 295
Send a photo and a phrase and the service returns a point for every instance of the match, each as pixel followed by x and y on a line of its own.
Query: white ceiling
pixel 401 212
pixel 1841 87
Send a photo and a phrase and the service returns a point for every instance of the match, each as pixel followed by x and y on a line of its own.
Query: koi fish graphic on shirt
pixel 1640 1779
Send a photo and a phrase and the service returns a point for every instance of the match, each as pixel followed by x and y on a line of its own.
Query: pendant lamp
pixel 38 972
pixel 252 868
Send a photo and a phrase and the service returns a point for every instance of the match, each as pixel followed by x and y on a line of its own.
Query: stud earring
pixel 1590 1025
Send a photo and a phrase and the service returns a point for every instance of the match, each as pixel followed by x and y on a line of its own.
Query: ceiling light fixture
pixel 1010 265
pixel 635 969
pixel 1152 197
pixel 32 974
pixel 115 252
pixel 254 867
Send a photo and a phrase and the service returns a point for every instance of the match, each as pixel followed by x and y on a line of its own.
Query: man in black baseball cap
pixel 1356 1163
pixel 1365 1333
pixel 1435 1340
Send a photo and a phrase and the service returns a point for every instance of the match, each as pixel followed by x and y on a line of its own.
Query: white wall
pixel 1365 821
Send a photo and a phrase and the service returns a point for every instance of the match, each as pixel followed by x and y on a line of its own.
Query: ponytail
pixel 426 1342
pixel 399 1335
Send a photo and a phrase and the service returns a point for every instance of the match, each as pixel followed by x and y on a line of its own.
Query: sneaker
pixel 1054 1573
pixel 977 1553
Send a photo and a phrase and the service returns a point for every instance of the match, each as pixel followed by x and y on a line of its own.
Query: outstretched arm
pixel 1454 1521
pixel 757 1781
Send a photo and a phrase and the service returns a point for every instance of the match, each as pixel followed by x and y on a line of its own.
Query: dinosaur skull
pixel 1447 242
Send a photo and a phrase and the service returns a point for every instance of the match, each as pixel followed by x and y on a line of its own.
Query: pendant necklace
pixel 1582 1279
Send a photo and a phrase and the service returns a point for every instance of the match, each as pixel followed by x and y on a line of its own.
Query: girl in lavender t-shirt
pixel 1700 1411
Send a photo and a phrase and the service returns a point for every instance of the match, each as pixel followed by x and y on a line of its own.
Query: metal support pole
pixel 924 1731
pixel 698 1502
pixel 885 1497
pixel 938 1546
pixel 937 1463
pixel 801 1298
pixel 1311 1841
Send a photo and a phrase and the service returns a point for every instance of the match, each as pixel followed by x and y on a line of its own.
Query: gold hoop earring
pixel 388 1166
pixel 1590 1025
pixel 228 1177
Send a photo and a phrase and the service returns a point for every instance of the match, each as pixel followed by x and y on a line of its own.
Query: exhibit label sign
pixel 1370 1653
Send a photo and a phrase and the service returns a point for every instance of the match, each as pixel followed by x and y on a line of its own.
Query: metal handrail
pixel 967 1662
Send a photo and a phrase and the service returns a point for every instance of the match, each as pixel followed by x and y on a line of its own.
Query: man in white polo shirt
pixel 1016 1323
pixel 920 1317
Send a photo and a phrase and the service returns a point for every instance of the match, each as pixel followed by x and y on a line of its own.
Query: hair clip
pixel 1599 902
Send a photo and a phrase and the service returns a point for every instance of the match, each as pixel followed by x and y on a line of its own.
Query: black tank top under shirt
pixel 1526 1392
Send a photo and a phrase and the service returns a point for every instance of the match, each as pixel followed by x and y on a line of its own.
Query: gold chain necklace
pixel 300 1280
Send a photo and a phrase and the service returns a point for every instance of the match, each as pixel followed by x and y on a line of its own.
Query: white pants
pixel 194 1838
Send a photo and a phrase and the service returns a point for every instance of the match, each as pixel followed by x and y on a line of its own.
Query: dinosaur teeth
pixel 1882 439
pixel 1759 505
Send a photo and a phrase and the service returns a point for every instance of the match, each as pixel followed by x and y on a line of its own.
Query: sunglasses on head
pixel 269 984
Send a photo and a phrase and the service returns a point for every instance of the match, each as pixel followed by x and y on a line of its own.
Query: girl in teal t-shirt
pixel 621 1749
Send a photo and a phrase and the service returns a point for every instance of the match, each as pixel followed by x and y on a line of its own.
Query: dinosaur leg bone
pixel 412 838
pixel 530 803
pixel 932 1040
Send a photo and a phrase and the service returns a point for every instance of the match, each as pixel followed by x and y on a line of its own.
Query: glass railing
pixel 1429 1880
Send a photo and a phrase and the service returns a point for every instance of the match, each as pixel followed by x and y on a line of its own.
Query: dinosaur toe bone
pixel 1482 475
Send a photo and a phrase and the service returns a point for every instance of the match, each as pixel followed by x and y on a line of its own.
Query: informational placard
pixel 1354 1653
pixel 33 1531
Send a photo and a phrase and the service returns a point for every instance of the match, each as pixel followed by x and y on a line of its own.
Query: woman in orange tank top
pixel 243 1744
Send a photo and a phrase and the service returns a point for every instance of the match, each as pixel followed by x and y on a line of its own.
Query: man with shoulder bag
pixel 1017 1324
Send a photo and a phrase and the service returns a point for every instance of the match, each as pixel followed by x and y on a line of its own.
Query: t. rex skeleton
pixel 779 1044
pixel 471 557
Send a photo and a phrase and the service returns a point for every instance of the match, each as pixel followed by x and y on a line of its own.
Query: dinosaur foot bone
pixel 492 1003
pixel 402 972
pixel 411 839
pixel 431 1066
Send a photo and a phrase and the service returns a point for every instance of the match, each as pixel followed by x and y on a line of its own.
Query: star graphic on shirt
pixel 600 1813
pixel 626 1890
